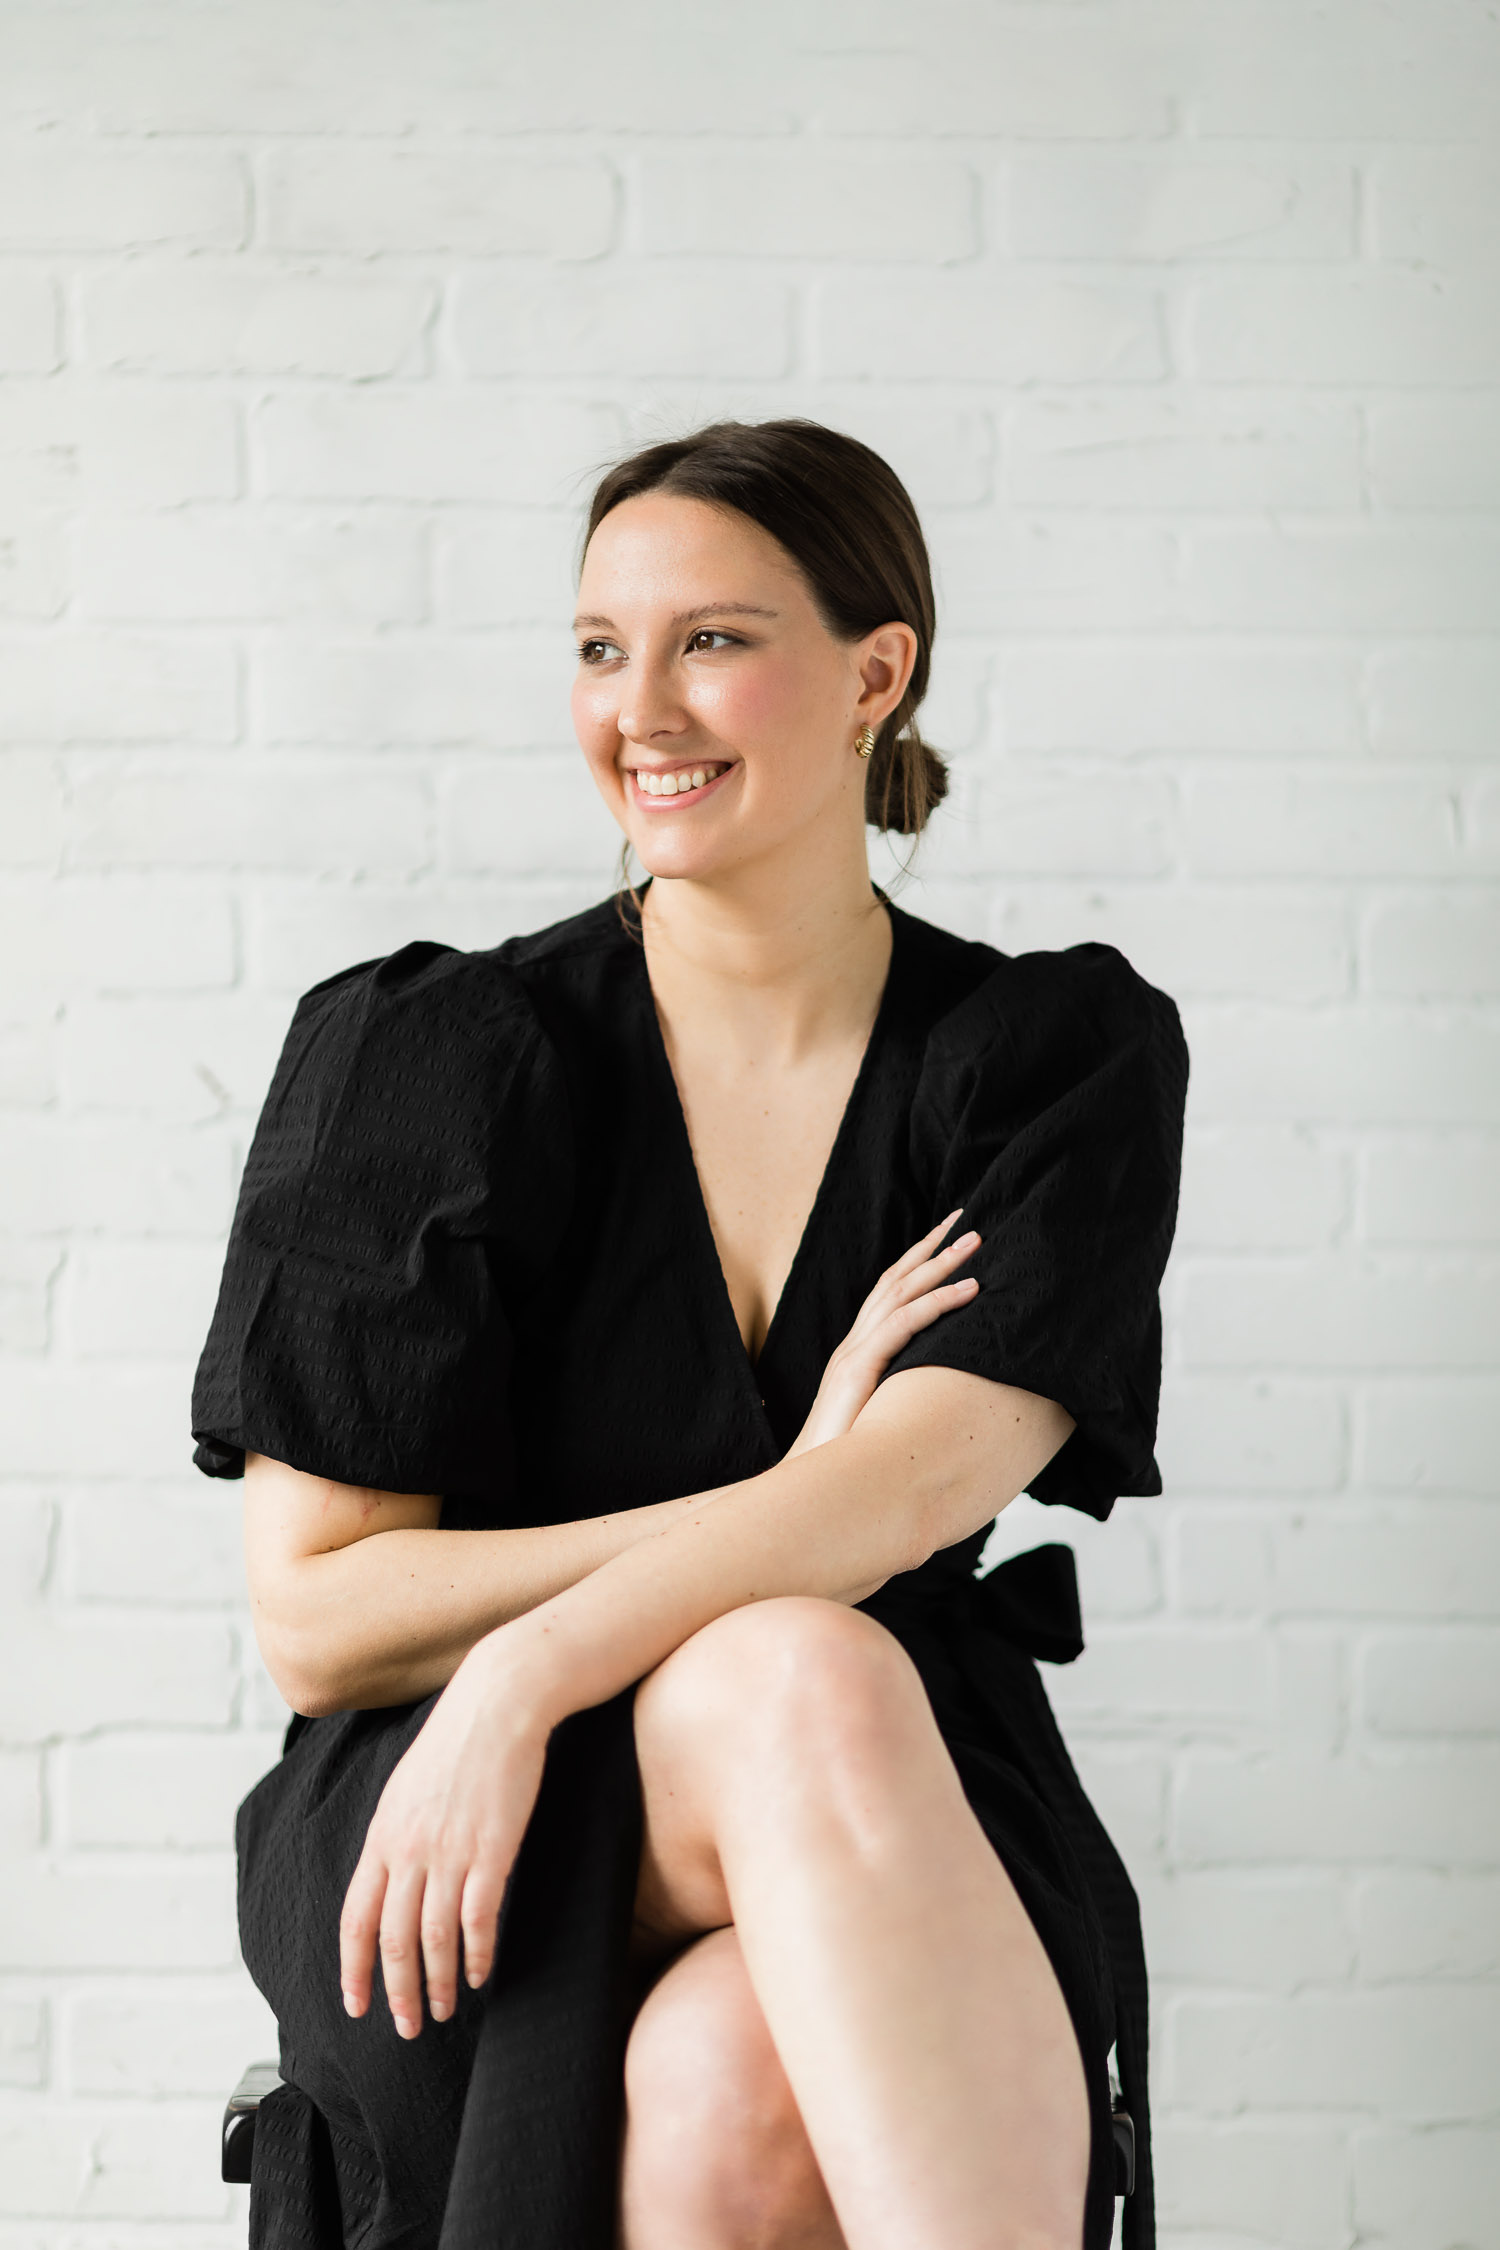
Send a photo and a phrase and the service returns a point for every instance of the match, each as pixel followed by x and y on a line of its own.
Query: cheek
pixel 595 721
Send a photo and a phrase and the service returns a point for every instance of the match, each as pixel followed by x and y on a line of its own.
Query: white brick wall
pixel 1182 323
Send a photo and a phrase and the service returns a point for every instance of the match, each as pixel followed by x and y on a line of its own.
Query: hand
pixel 441 1846
pixel 908 1297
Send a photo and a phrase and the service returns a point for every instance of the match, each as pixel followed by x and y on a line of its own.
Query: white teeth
pixel 676 784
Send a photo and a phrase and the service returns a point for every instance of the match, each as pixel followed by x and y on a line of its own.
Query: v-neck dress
pixel 471 1257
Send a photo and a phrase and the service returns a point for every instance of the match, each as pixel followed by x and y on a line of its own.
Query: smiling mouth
pixel 655 785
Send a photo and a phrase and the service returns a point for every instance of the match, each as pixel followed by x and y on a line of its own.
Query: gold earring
pixel 864 741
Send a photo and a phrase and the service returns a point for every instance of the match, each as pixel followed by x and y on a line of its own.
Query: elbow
pixel 304 1669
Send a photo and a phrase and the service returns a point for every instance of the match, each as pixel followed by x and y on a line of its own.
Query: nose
pixel 650 710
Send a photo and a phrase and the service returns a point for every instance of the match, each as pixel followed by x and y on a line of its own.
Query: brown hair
pixel 846 520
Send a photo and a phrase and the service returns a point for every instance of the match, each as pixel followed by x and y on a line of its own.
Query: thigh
pixel 716 2156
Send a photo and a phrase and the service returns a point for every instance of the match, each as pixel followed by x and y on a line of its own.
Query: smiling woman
pixel 623 1409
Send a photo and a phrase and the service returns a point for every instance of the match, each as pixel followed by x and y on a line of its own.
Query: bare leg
pixel 716 2157
pixel 797 1787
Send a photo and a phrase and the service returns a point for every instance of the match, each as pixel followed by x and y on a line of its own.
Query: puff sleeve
pixel 1050 1107
pixel 412 1146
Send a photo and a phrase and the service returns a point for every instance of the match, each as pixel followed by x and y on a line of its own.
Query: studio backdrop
pixel 1182 324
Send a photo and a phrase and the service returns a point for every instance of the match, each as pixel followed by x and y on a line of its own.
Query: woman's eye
pixel 596 652
pixel 707 637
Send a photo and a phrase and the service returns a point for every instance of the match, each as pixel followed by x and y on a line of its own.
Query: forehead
pixel 662 544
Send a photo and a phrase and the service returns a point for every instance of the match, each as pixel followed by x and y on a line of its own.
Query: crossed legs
pixel 863 2046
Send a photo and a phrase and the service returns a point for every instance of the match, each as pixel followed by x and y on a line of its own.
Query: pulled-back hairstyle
pixel 846 520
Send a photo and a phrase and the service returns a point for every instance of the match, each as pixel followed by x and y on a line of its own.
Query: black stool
pixel 263 2078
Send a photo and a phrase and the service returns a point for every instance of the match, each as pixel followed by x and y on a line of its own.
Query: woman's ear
pixel 886 661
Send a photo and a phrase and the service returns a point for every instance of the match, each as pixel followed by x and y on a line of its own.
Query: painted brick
pixel 1199 451
pixel 431 446
pixel 1028 76
pixel 1430 1188
pixel 30 323
pixel 22 1808
pixel 140 1545
pixel 1419 1924
pixel 1431 1683
pixel 1261 1932
pixel 1412 2055
pixel 308 812
pixel 57 1421
pixel 23 2042
pixel 1314 325
pixel 1439 946
pixel 501 692
pixel 79 194
pixel 1434 1808
pixel 1411 73
pixel 627 324
pixel 1351 1561
pixel 506 568
pixel 139 1300
pixel 1260 1189
pixel 115 933
pixel 32 825
pixel 1180 697
pixel 323 196
pixel 101 1176
pixel 29 1274
pixel 69 1673
pixel 1440 1435
pixel 1049 822
pixel 1208 941
pixel 1342 1312
pixel 147 2043
pixel 1385 1065
pixel 806 202
pixel 1437 700
pixel 1422 578
pixel 1248 1434
pixel 1023 327
pixel 493 814
pixel 28 1067
pixel 111 2165
pixel 1287 2186
pixel 1200 1677
pixel 297 936
pixel 1023 577
pixel 98 687
pixel 1424 455
pixel 159 1792
pixel 1425 2190
pixel 1156 208
pixel 1430 207
pixel 172 318
pixel 210 565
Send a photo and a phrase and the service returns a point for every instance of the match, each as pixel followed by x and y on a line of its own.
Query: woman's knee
pixel 795 1675
pixel 715 2151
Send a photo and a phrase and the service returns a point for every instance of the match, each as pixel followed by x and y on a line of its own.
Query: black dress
pixel 471 1257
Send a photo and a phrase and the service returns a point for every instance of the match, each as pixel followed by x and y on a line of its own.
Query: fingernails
pixel 439 2010
pixel 406 2027
pixel 351 2003
pixel 474 1978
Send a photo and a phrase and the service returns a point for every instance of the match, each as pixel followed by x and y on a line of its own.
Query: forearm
pixel 909 1478
pixel 390 1617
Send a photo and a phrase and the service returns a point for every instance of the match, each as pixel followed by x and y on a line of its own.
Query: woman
pixel 621 1429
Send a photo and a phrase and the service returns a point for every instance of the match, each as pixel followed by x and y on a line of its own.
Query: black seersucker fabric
pixel 471 1258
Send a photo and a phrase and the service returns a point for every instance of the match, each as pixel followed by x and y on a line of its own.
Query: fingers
pixel 480 1915
pixel 359 1927
pixel 401 1948
pixel 440 1904
pixel 920 1251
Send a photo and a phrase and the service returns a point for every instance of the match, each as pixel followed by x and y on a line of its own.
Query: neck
pixel 782 953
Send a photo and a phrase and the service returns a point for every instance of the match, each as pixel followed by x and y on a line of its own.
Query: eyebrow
pixel 687 616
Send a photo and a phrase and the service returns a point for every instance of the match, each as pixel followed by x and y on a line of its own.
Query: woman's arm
pixel 931 1457
pixel 360 1600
